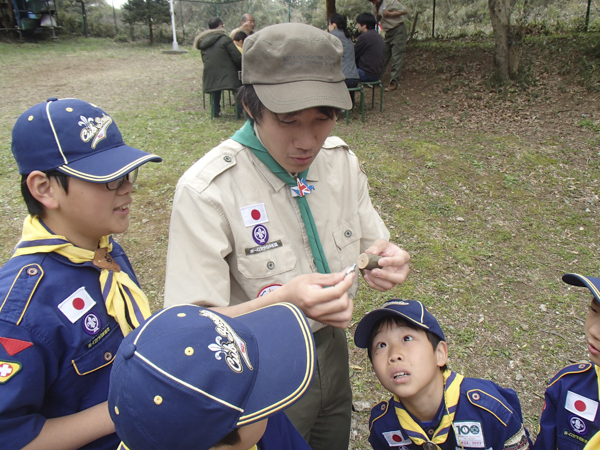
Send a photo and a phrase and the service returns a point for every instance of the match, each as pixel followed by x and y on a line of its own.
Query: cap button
pixel 52 99
pixel 128 351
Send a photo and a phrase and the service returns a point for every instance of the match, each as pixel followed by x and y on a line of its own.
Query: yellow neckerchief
pixel 123 298
pixel 452 381
pixel 254 448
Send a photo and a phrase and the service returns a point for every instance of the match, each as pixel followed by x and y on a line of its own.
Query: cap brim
pixel 593 284
pixel 286 365
pixel 298 95
pixel 365 326
pixel 109 164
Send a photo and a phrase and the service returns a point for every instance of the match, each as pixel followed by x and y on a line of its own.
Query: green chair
pixel 212 106
pixel 373 85
pixel 360 89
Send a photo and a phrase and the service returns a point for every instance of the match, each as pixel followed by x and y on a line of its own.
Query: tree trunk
pixel 500 16
pixel 330 4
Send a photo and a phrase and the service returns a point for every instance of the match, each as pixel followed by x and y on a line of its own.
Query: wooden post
pixel 587 17
pixel 414 27
pixel 433 24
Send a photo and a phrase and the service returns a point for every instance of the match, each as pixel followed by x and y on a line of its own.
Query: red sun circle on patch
pixel 396 438
pixel 255 214
pixel 580 406
pixel 78 303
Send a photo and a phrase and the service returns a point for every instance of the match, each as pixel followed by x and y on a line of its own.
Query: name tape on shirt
pixel 469 434
pixel 77 304
pixel 582 406
pixel 254 214
pixel 396 439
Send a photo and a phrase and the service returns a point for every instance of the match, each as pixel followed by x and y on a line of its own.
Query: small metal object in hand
pixel 350 270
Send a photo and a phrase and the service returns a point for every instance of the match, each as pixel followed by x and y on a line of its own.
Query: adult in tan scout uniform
pixel 258 216
pixel 390 14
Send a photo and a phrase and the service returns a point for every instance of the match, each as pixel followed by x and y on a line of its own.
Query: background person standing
pixel 247 25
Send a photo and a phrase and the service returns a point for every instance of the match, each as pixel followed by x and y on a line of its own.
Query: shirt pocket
pixel 347 239
pixel 268 263
pixel 101 352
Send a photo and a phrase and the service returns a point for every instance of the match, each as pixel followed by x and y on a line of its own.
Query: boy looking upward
pixel 570 418
pixel 432 408
pixel 193 379
pixel 69 294
pixel 280 210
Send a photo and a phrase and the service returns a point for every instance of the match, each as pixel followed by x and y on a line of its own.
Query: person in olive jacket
pixel 222 61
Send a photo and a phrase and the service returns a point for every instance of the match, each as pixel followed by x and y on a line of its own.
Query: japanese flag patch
pixel 396 439
pixel 254 214
pixel 582 406
pixel 8 369
pixel 76 304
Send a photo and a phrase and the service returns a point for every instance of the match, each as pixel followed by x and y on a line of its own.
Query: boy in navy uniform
pixel 69 294
pixel 432 407
pixel 192 378
pixel 570 419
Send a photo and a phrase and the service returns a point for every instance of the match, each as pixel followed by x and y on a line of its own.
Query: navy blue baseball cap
pixel 189 376
pixel 76 138
pixel 411 311
pixel 593 284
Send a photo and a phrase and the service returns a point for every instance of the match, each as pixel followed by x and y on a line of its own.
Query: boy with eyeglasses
pixel 69 293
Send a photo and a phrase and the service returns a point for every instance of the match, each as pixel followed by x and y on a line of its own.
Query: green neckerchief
pixel 246 136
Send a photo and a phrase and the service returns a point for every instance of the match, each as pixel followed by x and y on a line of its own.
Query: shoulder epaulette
pixel 572 369
pixel 333 142
pixel 491 404
pixel 14 305
pixel 378 412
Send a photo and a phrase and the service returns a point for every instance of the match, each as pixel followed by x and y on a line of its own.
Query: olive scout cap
pixel 593 284
pixel 76 138
pixel 410 310
pixel 294 66
pixel 189 376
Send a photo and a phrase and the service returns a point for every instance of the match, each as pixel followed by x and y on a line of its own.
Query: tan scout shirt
pixel 389 5
pixel 213 256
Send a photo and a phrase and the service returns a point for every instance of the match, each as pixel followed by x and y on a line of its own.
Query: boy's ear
pixel 247 111
pixel 41 189
pixel 441 353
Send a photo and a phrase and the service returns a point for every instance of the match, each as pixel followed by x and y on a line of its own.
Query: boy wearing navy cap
pixel 191 378
pixel 69 294
pixel 570 418
pixel 432 407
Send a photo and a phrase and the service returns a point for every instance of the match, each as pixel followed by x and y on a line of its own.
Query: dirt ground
pixel 447 98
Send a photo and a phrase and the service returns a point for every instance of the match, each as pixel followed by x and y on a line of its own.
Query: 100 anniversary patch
pixel 263 248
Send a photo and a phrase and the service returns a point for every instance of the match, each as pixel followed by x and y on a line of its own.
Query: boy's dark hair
pixel 34 207
pixel 240 36
pixel 367 20
pixel 247 96
pixel 233 438
pixel 400 322
pixel 214 22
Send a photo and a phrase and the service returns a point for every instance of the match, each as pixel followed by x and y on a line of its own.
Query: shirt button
pixel 348 233
pixel 32 271
pixel 430 432
pixel 227 158
pixel 270 265
pixel 108 356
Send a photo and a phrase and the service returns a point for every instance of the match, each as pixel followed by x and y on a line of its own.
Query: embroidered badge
pixel 469 434
pixel 578 425
pixel 234 348
pixel 91 324
pixel 14 346
pixel 76 304
pixel 260 234
pixel 94 128
pixel 263 248
pixel 8 369
pixel 518 441
pixel 254 214
pixel 267 289
pixel 302 189
pixel 582 406
pixel 396 439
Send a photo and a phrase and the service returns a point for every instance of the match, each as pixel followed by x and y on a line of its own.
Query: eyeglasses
pixel 116 184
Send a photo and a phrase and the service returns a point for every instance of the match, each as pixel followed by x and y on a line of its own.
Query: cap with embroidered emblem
pixel 189 375
pixel 410 310
pixel 76 138
pixel 294 66
pixel 592 283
